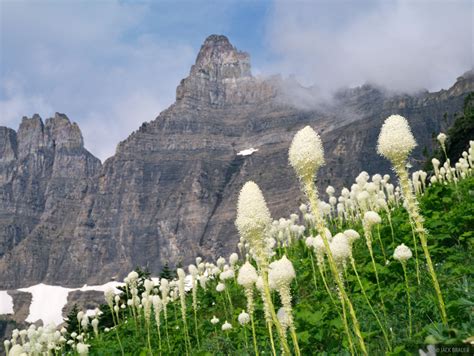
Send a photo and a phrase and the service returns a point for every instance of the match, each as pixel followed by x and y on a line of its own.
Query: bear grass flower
pixel 82 349
pixel 306 156
pixel 281 274
pixel 182 295
pixel 340 249
pixel 352 235
pixel 253 216
pixel 95 326
pixel 243 318
pixel 253 221
pixel 193 271
pixel 306 153
pixel 372 218
pixel 226 326
pixel 402 253
pixel 442 142
pixel 157 308
pixel 395 142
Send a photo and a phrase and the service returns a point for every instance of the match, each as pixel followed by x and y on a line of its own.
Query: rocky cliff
pixel 169 192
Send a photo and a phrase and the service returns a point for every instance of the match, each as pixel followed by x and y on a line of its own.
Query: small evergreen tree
pixel 71 320
pixel 166 272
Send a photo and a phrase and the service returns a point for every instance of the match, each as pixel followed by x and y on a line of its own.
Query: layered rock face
pixel 45 175
pixel 169 192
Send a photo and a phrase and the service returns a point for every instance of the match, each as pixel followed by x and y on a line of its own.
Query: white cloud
pixel 403 45
pixel 90 63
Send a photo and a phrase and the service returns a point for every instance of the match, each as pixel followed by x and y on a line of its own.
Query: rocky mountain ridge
pixel 169 192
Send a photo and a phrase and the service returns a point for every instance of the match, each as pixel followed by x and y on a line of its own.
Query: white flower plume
pixel 396 140
pixel 306 153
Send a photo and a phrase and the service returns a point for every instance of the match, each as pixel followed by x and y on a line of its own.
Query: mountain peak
pixel 218 59
pixel 222 75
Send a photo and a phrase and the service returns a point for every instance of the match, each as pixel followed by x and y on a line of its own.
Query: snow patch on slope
pixel 247 152
pixel 6 303
pixel 47 303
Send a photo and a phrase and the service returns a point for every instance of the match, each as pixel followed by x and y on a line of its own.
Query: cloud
pixel 90 62
pixel 402 45
pixel 111 65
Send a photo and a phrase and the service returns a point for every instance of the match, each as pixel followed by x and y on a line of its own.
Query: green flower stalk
pixel 182 298
pixel 244 319
pixel 215 321
pixel 225 328
pixel 341 251
pixel 310 243
pixel 132 279
pixel 157 308
pixel 253 221
pixel 403 254
pixel 95 326
pixel 352 236
pixel 442 142
pixel 147 302
pixel 395 143
pixel 306 157
pixel 193 271
pixel 267 314
pixel 281 274
pixel 283 319
pixel 165 289
pixel 371 218
pixel 247 278
pixel 220 288
pixel 109 298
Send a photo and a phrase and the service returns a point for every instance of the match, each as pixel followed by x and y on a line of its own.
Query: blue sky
pixel 111 65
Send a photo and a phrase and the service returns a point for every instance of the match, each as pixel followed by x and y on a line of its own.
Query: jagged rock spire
pixel 222 75
pixel 218 59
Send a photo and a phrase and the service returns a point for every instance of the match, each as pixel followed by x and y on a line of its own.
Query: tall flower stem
pixel 116 331
pixel 225 306
pixel 268 321
pixel 159 337
pixel 368 239
pixel 321 272
pixel 196 327
pixel 389 217
pixel 285 297
pixel 381 244
pixel 414 212
pixel 245 337
pixel 314 270
pixel 346 326
pixel 385 335
pixel 249 295
pixel 410 327
pixel 166 329
pixel 276 322
pixel 254 337
pixel 312 194
pixel 148 338
pixel 194 295
pixel 270 333
pixel 231 306
pixel 415 247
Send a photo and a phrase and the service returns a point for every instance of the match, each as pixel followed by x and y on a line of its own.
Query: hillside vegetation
pixel 386 267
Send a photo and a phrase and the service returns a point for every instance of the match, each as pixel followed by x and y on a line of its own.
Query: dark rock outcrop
pixel 169 192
